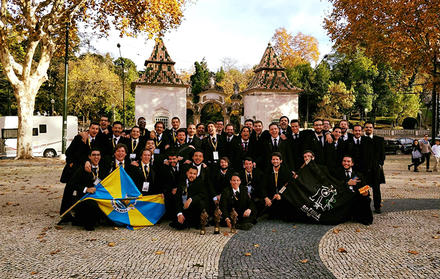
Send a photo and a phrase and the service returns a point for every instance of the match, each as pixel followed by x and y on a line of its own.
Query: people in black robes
pixel 236 197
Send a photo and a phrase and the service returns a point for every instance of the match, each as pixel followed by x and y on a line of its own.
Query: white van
pixel 46 135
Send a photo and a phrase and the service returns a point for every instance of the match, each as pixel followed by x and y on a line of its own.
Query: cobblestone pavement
pixel 34 247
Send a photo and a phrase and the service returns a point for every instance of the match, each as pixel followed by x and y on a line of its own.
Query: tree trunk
pixel 26 102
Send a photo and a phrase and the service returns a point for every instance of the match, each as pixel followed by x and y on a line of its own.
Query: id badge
pixel 157 151
pixel 74 193
pixel 184 198
pixel 132 156
pixel 96 182
pixel 145 186
pixel 215 155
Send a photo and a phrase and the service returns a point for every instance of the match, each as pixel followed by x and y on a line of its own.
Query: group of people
pixel 421 151
pixel 209 167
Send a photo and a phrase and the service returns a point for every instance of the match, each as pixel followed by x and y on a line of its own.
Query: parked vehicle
pixel 406 144
pixel 393 147
pixel 46 135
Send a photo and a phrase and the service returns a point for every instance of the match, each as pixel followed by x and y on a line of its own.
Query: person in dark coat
pixel 79 148
pixel 276 144
pixel 135 144
pixel 119 160
pixel 236 197
pixel 361 210
pixel 259 138
pixel 334 151
pixel 171 174
pixel 242 148
pixel 191 200
pixel 253 179
pixel 416 156
pixel 161 140
pixel 277 177
pixel 376 175
pixel 83 181
pixel 147 183
pixel 220 179
pixel 192 139
pixel 213 146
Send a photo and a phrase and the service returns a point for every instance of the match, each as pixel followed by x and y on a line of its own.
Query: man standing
pixel 252 179
pixel 242 148
pixel 230 140
pixel 297 144
pixel 219 125
pixel 436 153
pixel 343 124
pixel 213 146
pixel 277 144
pixel 425 145
pixel 104 125
pixel 135 144
pixel 360 151
pixel 144 133
pixel 200 131
pixel 376 175
pixel 315 141
pixel 161 141
pixel 172 133
pixel 192 139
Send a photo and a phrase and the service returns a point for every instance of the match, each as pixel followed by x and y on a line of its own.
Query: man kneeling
pixel 191 200
pixel 236 197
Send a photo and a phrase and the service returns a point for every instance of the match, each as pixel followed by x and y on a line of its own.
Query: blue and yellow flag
pixel 118 197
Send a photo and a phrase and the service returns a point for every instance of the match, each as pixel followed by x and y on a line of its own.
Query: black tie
pixel 135 143
pixel 213 140
pixel 94 171
pixel 249 178
pixel 320 140
pixel 115 140
pixel 146 170
pixel 189 140
pixel 245 146
pixel 275 144
pixel 236 195
pixel 92 141
pixel 357 141
pixel 347 174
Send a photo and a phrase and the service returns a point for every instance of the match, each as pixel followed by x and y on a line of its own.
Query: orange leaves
pixel 295 50
pixel 389 30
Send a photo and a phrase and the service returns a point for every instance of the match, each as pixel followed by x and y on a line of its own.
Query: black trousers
pixel 427 156
pixel 88 213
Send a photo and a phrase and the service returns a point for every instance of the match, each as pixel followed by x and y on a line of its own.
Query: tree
pixel 39 25
pixel 337 102
pixel 295 50
pixel 129 76
pixel 93 86
pixel 404 33
pixel 200 79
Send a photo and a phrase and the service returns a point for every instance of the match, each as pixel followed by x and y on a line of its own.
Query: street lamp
pixel 123 84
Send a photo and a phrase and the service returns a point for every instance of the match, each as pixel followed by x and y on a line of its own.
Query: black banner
pixel 319 197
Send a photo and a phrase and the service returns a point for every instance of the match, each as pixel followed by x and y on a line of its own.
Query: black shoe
pixel 428 171
pixel 378 211
pixel 416 170
pixel 409 167
pixel 89 228
pixel 66 219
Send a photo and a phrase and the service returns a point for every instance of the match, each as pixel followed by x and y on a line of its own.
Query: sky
pixel 234 29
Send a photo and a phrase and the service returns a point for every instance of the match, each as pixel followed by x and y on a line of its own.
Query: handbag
pixel 416 154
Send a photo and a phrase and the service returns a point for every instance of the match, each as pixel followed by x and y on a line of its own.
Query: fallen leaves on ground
pixel 336 231
pixel 91 239
pixel 34 272
pixel 304 261
pixel 247 254
pixel 57 227
pixel 435 236
pixel 197 265
pixel 159 252
pixel 55 252
pixel 256 245
pixel 111 244
pixel 413 252
pixel 358 230
pixel 225 233
pixel 342 250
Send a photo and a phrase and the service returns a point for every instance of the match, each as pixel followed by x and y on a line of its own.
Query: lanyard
pixel 133 148
pixel 276 178
pixel 95 176
pixel 247 177
pixel 143 170
pixel 157 143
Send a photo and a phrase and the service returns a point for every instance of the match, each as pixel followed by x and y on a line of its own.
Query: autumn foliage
pixel 405 33
pixel 295 50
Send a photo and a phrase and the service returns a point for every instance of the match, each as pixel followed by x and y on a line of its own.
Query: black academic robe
pixel 209 147
pixel 135 149
pixel 78 153
pixel 240 202
pixel 283 147
pixel 271 188
pixel 194 141
pixel 162 143
pixel 150 177
pixel 312 143
pixel 241 151
pixel 197 192
pixel 333 153
pixel 254 184
pixel 361 209
pixel 220 181
pixel 259 143
pixel 360 153
pixel 74 189
pixel 229 146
